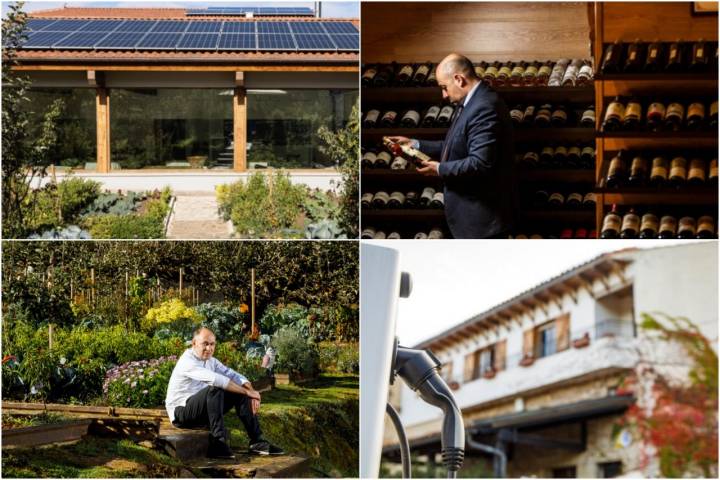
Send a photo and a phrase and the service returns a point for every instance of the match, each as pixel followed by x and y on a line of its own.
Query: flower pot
pixel 489 374
pixel 581 342
pixel 527 361
pixel 197 161
pixel 454 385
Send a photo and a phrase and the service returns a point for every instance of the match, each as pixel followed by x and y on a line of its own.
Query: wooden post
pixel 102 114
pixel 92 285
pixel 50 336
pixel 240 123
pixel 181 282
pixel 252 300
pixel 72 294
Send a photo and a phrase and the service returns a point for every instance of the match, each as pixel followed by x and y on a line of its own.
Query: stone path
pixel 195 216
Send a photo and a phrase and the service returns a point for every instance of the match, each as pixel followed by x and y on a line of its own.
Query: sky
pixel 329 9
pixel 454 280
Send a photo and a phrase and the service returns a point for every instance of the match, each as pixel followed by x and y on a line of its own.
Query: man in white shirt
pixel 202 390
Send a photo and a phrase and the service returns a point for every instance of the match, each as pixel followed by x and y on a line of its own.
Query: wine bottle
pixel 383 160
pixel 574 200
pixel 566 233
pixel 649 226
pixel 411 199
pixel 371 119
pixel 638 171
pixel 435 234
pixel 617 171
pixel 560 156
pixel 369 75
pixel 410 119
pixel 380 199
pixel 687 228
pixel 655 116
pixel 368 159
pixel 503 76
pixel 580 234
pixel 394 236
pixel 384 75
pixel 396 200
pixel 559 117
pixel 420 236
pixel 678 171
pixel 611 58
pixel 516 76
pixel 540 198
pixel 366 200
pixel 388 119
pixel 432 78
pixel 674 116
pixel 531 159
pixel 528 116
pixel 544 72
pixel 443 119
pixel 379 235
pixel 696 172
pixel 558 72
pixel 546 156
pixel 587 156
pixel 431 116
pixel 676 58
pixel 585 75
pixel 714 115
pixel 368 233
pixel 399 163
pixel 491 73
pixel 556 200
pixel 516 115
pixel 571 74
pixel 713 172
pixel 611 224
pixel 589 200
pixel 633 114
pixel 695 116
pixel 614 115
pixel 653 59
pixel 426 196
pixel 699 60
pixel 633 60
pixel 438 200
pixel 659 171
pixel 530 73
pixel 668 227
pixel 573 156
pixel 630 225
pixel 397 149
pixel 543 115
pixel 421 74
pixel 587 119
pixel 705 227
pixel 480 69
pixel 404 75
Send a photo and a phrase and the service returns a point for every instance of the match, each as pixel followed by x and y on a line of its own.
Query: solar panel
pixel 198 41
pixel 66 26
pixel 81 40
pixel 273 41
pixel 273 27
pixel 306 27
pixel 260 11
pixel 44 39
pixel 36 25
pixel 169 26
pixel 346 42
pixel 159 41
pixel 335 28
pixel 136 26
pixel 244 41
pixel 239 27
pixel 204 27
pixel 313 42
pixel 120 40
pixel 100 26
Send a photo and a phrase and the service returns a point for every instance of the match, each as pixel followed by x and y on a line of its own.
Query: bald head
pixel 456 64
pixel 456 77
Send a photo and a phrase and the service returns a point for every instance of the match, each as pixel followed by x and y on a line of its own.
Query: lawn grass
pixel 319 420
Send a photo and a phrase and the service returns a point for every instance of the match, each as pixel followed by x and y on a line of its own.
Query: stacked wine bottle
pixel 656 222
pixel 627 169
pixel 627 115
pixel 558 156
pixel 660 57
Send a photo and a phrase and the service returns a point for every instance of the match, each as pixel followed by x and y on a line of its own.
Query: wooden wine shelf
pixel 667 197
pixel 702 134
pixel 563 216
pixel 519 135
pixel 403 214
pixel 682 78
pixel 549 175
pixel 585 94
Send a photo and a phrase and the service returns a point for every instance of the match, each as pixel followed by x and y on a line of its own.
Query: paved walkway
pixel 195 216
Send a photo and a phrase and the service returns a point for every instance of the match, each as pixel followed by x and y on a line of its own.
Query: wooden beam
pixel 619 270
pixel 240 79
pixel 572 292
pixel 95 79
pixel 542 305
pixel 587 284
pixel 102 126
pixel 240 127
pixel 188 68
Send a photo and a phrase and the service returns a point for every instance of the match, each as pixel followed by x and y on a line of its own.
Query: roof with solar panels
pixel 212 34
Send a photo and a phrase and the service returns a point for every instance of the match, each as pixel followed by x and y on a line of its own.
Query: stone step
pixel 183 444
pixel 245 465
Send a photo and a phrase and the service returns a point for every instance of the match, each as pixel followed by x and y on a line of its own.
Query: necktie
pixel 446 148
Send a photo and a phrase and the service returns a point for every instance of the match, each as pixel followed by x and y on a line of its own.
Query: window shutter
pixel 500 349
pixel 469 367
pixel 447 371
pixel 562 332
pixel 529 343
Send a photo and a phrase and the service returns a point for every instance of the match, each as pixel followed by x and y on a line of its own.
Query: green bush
pixel 225 320
pixel 339 357
pixel 277 316
pixel 295 353
pixel 230 355
pixel 140 384
pixel 57 205
pixel 75 195
pixel 265 206
pixel 30 298
pixel 172 318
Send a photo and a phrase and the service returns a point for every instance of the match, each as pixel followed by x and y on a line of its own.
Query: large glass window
pixel 171 128
pixel 283 125
pixel 75 126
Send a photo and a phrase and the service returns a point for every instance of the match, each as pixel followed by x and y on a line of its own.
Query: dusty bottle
pixel 611 224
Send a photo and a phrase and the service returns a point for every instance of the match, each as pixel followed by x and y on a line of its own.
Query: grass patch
pixel 22 421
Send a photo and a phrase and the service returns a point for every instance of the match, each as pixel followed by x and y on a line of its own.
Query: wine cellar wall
pixel 562 166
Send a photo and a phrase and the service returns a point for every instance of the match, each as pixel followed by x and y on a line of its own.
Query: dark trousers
pixel 207 408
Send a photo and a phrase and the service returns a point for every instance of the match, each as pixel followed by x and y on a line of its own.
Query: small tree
pixel 343 146
pixel 677 421
pixel 25 148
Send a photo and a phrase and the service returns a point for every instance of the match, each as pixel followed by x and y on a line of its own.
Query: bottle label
pixel 706 224
pixel 659 167
pixel 586 71
pixel 697 169
pixel 588 115
pixel 398 196
pixel 518 70
pixel 557 197
pixel 399 163
pixel 609 52
pixel 369 74
pixel 544 113
pixel 673 51
pixel 369 157
pixel 372 116
pixel 589 198
pixel 575 196
pixel 446 111
pixel 367 197
pixel 380 235
pixel 562 151
pixel 422 70
pixel 656 109
pixel 713 108
pixel 675 109
pixel 545 70
pixel 406 70
pixel 588 151
pixel 678 167
pixel 435 234
pixel 668 224
pixel 699 53
pixel 438 197
pixel 574 151
pixel 530 157
pixel 697 109
pixel 411 115
pixel 633 110
pixel 479 71
pixel 630 222
pixel 432 113
pixel 516 114
pixel 687 224
pixel 389 116
pixel 638 165
pixel 649 222
pixel 428 193
pixel 381 197
pixel 615 165
pixel 561 114
pixel 633 55
pixel 713 170
pixel 384 157
pixel 368 233
pixel 548 151
pixel 504 70
pixel 653 52
pixel 529 111
pixel 491 71
pixel 530 71
pixel 615 109
pixel 611 222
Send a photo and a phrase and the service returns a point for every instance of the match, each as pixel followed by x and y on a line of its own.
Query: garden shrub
pixel 295 353
pixel 277 316
pixel 124 226
pixel 56 205
pixel 139 384
pixel 28 298
pixel 171 318
pixel 225 320
pixel 230 355
pixel 75 195
pixel 339 357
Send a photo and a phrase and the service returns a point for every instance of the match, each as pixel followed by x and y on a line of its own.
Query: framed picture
pixel 704 8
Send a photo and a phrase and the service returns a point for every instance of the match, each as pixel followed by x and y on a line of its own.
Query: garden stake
pixel 181 280
pixel 252 301
pixel 50 336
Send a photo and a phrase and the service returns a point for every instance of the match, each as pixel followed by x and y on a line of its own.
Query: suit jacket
pixel 478 174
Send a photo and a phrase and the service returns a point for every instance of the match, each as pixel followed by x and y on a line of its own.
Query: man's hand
pixel 254 406
pixel 400 140
pixel 429 168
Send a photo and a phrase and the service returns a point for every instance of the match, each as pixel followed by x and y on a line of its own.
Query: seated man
pixel 202 390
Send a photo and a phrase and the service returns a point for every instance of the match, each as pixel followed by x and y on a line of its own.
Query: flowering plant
pixel 139 384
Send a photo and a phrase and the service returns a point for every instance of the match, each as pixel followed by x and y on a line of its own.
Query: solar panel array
pixel 257 11
pixel 191 35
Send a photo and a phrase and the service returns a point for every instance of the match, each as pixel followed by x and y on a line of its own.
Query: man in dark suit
pixel 476 158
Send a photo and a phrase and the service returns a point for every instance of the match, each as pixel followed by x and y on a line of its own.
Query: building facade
pixel 168 96
pixel 540 376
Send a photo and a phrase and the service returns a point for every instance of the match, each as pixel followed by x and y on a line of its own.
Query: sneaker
pixel 219 449
pixel 264 447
